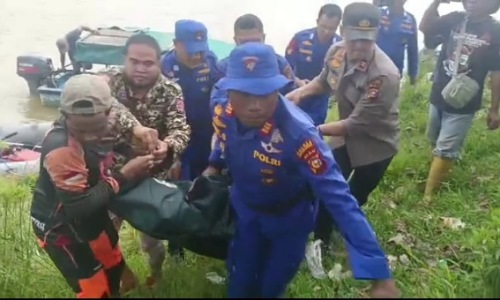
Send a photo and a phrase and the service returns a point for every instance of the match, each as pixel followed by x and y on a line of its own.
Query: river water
pixel 34 25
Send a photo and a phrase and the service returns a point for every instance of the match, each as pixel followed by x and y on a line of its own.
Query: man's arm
pixel 166 67
pixel 175 121
pixel 437 29
pixel 319 85
pixel 430 17
pixel 215 75
pixel 88 29
pixel 287 71
pixel 67 170
pixel 292 51
pixel 62 59
pixel 375 105
pixel 124 121
pixel 219 70
pixel 216 159
pixel 367 259
pixel 412 49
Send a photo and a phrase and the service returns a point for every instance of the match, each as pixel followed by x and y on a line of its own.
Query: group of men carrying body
pixel 248 114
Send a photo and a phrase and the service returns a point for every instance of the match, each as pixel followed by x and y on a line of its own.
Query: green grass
pixel 431 259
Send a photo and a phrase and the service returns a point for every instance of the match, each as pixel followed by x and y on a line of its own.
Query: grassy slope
pixel 431 258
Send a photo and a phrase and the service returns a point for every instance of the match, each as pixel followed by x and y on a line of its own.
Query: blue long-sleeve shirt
pixel 399 33
pixel 306 55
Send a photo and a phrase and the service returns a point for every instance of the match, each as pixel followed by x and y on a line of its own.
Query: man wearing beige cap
pixel 365 82
pixel 75 183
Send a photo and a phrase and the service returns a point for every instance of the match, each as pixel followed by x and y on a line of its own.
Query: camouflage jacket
pixel 121 122
pixel 161 109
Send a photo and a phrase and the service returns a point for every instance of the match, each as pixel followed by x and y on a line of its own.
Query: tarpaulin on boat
pixel 107 47
pixel 198 213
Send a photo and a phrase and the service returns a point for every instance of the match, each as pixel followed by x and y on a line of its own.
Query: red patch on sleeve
pixel 310 154
pixel 317 165
pixel 373 91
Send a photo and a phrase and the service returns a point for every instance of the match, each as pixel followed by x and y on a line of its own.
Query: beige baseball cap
pixel 86 87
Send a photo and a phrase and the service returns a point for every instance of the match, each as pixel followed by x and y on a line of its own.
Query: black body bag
pixel 198 214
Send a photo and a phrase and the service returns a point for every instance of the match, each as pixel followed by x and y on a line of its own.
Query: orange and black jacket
pixel 73 188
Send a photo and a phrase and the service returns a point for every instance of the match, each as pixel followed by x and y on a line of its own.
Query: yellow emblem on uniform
pixel 217 122
pixel 335 63
pixel 266 128
pixel 218 110
pixel 337 59
pixel 250 62
pixel 364 23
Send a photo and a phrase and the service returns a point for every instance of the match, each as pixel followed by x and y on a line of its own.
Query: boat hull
pixel 19 168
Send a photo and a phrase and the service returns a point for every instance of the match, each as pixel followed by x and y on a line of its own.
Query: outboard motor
pixel 34 69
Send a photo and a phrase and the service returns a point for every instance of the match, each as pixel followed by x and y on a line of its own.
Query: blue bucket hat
pixel 192 34
pixel 253 69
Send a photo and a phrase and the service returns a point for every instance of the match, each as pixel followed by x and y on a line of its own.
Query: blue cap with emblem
pixel 192 34
pixel 253 69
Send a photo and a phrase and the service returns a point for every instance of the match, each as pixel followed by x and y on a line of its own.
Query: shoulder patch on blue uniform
pixel 309 153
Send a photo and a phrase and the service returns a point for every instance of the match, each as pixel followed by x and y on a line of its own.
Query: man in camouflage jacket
pixel 156 102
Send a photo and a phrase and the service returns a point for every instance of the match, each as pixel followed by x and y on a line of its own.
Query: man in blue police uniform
pixel 279 166
pixel 249 28
pixel 306 53
pixel 191 64
pixel 398 32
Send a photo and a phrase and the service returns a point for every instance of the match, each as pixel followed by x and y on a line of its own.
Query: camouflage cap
pixel 360 21
pixel 86 87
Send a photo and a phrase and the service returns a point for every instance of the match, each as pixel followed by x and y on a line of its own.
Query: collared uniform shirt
pixel 368 103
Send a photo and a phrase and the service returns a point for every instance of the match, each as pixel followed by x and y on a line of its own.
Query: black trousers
pixel 362 183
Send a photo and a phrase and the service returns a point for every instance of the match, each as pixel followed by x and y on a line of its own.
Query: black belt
pixel 282 208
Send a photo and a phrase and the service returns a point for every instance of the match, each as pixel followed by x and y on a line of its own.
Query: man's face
pixel 358 50
pixel 88 129
pixel 142 66
pixel 398 3
pixel 326 27
pixel 248 35
pixel 188 59
pixel 479 8
pixel 253 111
